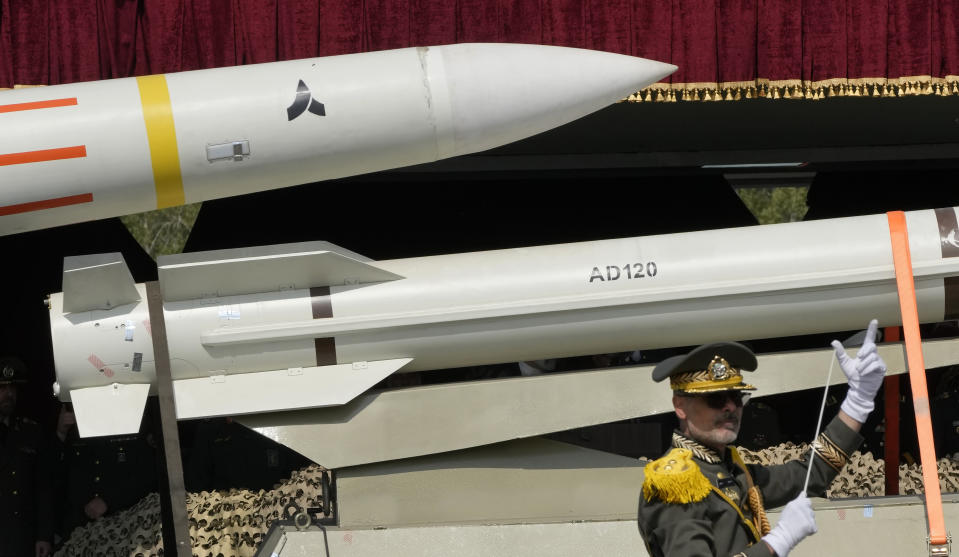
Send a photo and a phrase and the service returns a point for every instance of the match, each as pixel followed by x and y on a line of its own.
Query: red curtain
pixel 724 48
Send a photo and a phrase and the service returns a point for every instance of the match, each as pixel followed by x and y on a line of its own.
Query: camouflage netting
pixel 232 523
pixel 864 476
pixel 222 523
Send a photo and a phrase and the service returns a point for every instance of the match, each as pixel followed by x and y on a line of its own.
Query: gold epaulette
pixel 675 478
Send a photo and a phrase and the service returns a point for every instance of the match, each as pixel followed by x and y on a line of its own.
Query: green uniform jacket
pixel 120 470
pixel 716 526
pixel 26 496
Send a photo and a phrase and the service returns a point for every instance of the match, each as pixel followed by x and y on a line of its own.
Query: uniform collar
pixel 700 451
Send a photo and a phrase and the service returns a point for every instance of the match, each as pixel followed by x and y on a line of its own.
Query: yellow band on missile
pixel 161 135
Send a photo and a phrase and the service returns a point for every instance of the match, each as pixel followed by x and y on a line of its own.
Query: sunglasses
pixel 718 400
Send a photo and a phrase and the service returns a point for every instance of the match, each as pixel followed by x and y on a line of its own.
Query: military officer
pixel 101 475
pixel 26 514
pixel 701 499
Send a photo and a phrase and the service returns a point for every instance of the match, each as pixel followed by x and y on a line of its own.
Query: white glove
pixel 864 375
pixel 797 521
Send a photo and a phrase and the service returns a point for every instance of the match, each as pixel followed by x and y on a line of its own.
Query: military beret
pixel 708 368
pixel 12 370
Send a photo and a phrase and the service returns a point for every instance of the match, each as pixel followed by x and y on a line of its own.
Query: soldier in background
pixel 759 427
pixel 101 475
pixel 945 413
pixel 26 504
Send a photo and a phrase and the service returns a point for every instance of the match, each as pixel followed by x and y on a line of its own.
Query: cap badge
pixel 7 372
pixel 719 368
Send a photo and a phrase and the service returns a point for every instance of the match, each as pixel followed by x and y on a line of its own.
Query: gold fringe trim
pixel 20 86
pixel 799 89
pixel 782 89
pixel 675 478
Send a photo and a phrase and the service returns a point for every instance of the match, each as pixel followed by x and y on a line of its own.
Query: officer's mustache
pixel 727 417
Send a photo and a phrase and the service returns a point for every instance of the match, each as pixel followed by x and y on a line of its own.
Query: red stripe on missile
pixel 46 204
pixel 100 365
pixel 76 152
pixel 53 103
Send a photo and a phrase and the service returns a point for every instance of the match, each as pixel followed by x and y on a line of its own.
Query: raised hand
pixel 864 374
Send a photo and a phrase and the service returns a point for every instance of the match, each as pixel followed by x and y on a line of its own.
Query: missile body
pixel 248 328
pixel 84 151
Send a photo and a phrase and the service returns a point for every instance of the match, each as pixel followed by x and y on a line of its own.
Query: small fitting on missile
pixel 235 151
pixel 46 302
pixel 56 389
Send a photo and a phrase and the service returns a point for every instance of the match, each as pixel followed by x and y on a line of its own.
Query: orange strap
pixel 917 374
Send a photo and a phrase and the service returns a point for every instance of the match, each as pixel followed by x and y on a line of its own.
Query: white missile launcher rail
pixel 534 496
pixel 865 526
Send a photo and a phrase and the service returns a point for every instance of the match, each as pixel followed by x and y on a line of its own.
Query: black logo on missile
pixel 948 231
pixel 304 101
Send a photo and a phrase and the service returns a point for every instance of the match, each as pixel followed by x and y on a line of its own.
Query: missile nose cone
pixel 605 71
pixel 660 69
pixel 500 93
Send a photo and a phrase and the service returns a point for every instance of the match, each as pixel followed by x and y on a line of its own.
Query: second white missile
pixel 84 151
pixel 301 325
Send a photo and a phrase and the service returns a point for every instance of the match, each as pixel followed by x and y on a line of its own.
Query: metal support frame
pixel 891 435
pixel 176 526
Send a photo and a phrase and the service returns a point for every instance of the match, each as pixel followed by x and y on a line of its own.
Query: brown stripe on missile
pixel 322 309
pixel 325 351
pixel 948 231
pixel 951 285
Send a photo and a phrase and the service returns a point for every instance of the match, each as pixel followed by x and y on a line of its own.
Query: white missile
pixel 312 325
pixel 84 151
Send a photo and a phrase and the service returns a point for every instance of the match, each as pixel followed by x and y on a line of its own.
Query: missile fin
pixel 109 410
pixel 260 269
pixel 283 389
pixel 100 281
pixel 330 246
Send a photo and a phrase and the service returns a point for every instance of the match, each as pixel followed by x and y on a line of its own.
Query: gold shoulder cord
pixel 755 498
pixel 749 524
